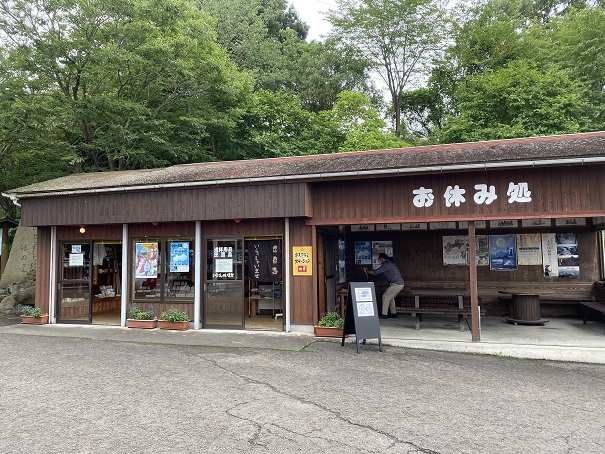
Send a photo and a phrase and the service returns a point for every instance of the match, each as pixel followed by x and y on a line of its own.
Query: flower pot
pixel 29 320
pixel 180 326
pixel 141 324
pixel 327 331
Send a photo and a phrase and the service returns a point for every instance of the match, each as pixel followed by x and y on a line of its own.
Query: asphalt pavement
pixel 94 389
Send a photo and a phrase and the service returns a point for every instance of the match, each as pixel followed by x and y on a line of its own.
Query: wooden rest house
pixel 270 243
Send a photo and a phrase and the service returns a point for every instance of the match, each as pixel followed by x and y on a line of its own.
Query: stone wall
pixel 18 282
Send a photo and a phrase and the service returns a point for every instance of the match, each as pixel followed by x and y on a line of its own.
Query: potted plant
pixel 330 325
pixel 174 318
pixel 141 319
pixel 33 316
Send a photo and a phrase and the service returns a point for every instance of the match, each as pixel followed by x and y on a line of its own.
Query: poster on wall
pixel 179 257
pixel 147 260
pixel 303 260
pixel 502 252
pixel 529 249
pixel 455 250
pixel 482 250
pixel 567 255
pixel 363 253
pixel 550 265
pixel 379 247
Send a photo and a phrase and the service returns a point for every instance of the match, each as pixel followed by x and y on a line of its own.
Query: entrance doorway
pixel 224 283
pixel 90 276
pixel 243 283
pixel 264 306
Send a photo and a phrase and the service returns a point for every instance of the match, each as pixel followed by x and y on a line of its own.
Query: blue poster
pixel 363 253
pixel 179 257
pixel 502 252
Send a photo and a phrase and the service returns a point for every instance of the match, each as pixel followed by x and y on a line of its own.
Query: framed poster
pixel 567 255
pixel 482 250
pixel 146 260
pixel 502 252
pixel 529 249
pixel 179 257
pixel 455 250
pixel 363 253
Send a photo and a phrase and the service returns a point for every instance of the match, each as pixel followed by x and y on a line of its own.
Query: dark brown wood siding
pixel 303 289
pixel 233 202
pixel 561 191
pixel 43 244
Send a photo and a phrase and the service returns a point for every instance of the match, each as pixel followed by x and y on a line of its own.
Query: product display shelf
pixel 267 296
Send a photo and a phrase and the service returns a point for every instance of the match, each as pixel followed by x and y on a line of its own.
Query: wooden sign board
pixel 361 316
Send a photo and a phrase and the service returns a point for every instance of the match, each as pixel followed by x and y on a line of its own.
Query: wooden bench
pixel 439 302
pixel 588 306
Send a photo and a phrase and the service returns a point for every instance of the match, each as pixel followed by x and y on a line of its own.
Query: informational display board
pixel 361 315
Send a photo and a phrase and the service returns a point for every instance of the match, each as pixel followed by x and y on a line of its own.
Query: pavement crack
pixel 394 440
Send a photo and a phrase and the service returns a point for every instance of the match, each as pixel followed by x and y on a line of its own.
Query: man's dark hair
pixel 383 256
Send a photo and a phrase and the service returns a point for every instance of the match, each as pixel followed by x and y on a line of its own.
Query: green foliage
pixel 115 85
pixel 331 319
pixel 519 100
pixel 361 125
pixel 398 37
pixel 137 314
pixel 174 315
pixel 31 311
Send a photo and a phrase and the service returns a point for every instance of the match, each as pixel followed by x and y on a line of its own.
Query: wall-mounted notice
pixel 302 264
pixel 442 225
pixel 529 249
pixel 503 223
pixel 570 221
pixel 455 249
pixel 536 223
pixel 414 226
pixel 362 228
pixel 386 227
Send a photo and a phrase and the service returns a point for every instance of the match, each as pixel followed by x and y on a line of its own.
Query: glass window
pixel 164 269
pixel 180 273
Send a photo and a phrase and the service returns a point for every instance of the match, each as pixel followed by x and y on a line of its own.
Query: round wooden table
pixel 526 306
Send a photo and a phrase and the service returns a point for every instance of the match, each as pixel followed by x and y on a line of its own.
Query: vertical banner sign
pixel 550 266
pixel 265 260
pixel 302 264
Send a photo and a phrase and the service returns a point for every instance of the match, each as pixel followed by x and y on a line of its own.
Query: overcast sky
pixel 312 12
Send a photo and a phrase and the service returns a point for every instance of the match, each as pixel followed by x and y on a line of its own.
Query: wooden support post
pixel 472 266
